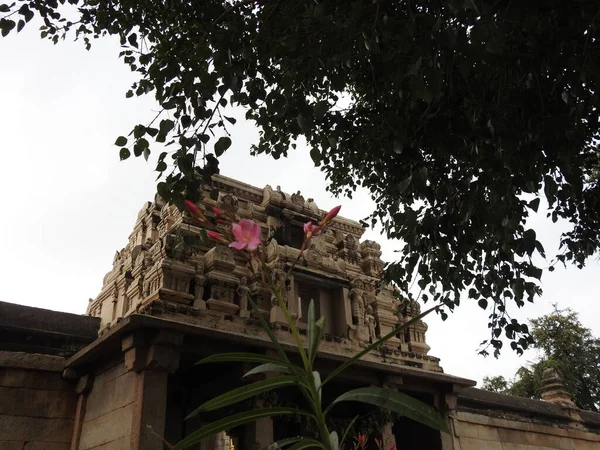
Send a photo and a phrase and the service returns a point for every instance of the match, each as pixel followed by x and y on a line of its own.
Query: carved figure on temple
pixel 371 323
pixel 199 281
pixel 298 199
pixel 116 258
pixel 243 292
pixel 280 281
pixel 357 303
pixel 310 203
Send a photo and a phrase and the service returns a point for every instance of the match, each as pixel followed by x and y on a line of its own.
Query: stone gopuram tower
pixel 157 273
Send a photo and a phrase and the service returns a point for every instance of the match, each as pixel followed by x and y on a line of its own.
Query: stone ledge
pixel 32 361
pixel 522 426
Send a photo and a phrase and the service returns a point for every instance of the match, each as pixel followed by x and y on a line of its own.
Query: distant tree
pixel 565 345
pixel 458 117
pixel 496 384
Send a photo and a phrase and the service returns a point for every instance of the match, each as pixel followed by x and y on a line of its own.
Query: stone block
pixel 512 436
pixel 123 443
pixel 37 429
pixel 466 429
pixel 46 446
pixel 106 428
pixel 11 377
pixel 110 396
pixel 467 443
pixel 487 433
pixel 37 403
pixel 12 445
pixel 33 361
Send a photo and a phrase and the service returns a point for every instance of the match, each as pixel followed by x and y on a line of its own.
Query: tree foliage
pixel 458 116
pixel 565 345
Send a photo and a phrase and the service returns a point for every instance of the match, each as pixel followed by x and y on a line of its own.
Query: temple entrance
pixel 411 435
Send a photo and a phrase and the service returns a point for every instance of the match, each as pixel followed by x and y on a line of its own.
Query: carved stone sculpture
pixel 243 293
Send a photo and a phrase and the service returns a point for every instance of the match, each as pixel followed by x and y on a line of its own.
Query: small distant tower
pixel 554 391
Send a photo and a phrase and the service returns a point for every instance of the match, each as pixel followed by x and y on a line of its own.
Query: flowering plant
pixel 244 235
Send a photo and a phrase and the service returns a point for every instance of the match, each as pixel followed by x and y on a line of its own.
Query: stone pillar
pixel 84 386
pixel 153 360
pixel 386 430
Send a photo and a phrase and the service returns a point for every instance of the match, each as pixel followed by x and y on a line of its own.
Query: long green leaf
pixel 319 330
pixel 241 357
pixel 311 327
pixel 348 428
pixel 232 422
pixel 282 443
pixel 265 326
pixel 386 338
pixel 398 402
pixel 306 443
pixel 244 392
pixel 268 367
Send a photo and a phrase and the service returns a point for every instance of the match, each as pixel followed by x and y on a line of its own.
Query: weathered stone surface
pixel 106 428
pixel 12 445
pixel 46 446
pixel 107 396
pixel 37 403
pixel 11 377
pixel 123 443
pixel 34 361
pixel 35 429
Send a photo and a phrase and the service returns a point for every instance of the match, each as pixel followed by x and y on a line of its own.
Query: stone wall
pixel 485 420
pixel 37 406
pixel 109 410
pixel 478 431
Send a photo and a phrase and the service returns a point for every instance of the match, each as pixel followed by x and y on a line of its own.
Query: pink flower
pixel 331 215
pixel 194 210
pixel 247 235
pixel 216 237
pixel 361 440
pixel 310 230
pixel 217 211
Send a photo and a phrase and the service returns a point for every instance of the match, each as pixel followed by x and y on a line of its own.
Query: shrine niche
pixel 160 272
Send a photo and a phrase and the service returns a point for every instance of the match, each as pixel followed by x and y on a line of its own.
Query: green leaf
pixel 283 442
pixel 221 145
pixel 311 327
pixel 317 382
pixel 124 154
pixel 315 155
pixel 166 125
pixel 232 422
pixel 482 303
pixel 268 367
pixel 534 204
pixel 347 430
pixel 318 336
pixel 121 141
pixel 231 120
pixel 398 402
pixel 376 344
pixel 241 357
pixel 334 440
pixel 161 166
pixel 265 326
pixel 244 392
pixel 306 443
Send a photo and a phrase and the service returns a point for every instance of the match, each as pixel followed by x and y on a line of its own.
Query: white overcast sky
pixel 68 203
